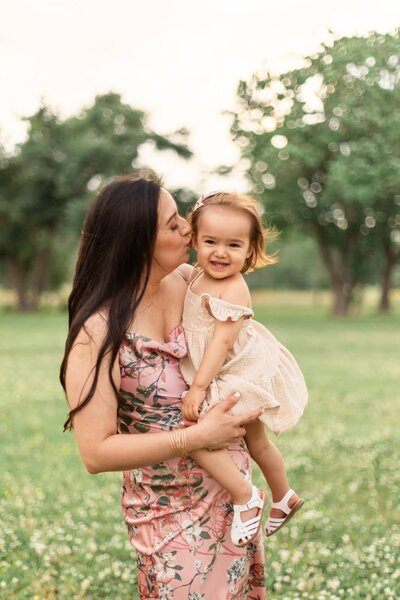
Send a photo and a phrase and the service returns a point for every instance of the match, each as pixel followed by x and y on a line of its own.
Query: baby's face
pixel 223 241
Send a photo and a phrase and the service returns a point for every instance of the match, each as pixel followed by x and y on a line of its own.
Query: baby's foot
pixel 278 513
pixel 247 513
pixel 243 498
pixel 281 512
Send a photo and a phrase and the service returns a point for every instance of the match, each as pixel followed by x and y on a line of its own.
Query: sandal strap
pixel 245 530
pixel 283 504
pixel 271 526
pixel 250 523
pixel 276 520
pixel 255 502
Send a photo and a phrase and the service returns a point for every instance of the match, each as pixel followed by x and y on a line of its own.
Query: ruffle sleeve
pixel 224 311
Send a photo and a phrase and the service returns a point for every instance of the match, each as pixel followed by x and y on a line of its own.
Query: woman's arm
pixel 100 446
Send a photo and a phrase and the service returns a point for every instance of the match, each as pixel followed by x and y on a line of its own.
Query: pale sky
pixel 179 60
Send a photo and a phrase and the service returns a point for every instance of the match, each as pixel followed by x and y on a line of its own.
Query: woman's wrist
pixel 178 442
pixel 185 440
pixel 195 438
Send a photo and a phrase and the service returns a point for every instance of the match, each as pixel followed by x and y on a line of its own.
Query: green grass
pixel 61 530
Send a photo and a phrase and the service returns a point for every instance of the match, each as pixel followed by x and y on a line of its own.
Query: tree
pixel 322 144
pixel 52 174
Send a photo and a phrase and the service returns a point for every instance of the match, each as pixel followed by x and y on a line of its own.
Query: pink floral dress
pixel 178 517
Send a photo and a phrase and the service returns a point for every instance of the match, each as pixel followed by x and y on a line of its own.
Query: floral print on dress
pixel 178 517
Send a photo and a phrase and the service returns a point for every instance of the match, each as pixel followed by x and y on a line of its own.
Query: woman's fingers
pixel 226 404
pixel 252 415
pixel 223 429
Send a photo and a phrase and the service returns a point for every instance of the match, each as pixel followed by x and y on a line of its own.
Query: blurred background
pixel 293 103
pixel 297 103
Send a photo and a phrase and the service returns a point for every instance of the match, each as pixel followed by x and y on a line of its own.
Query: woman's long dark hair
pixel 113 266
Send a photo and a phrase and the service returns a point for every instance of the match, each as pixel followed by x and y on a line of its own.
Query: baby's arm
pixel 223 340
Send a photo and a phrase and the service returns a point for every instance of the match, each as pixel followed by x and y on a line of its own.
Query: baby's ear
pixel 194 241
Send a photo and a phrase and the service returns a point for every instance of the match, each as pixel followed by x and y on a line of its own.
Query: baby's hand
pixel 191 403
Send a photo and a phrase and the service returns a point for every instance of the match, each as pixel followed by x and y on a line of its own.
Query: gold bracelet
pixel 178 442
pixel 181 442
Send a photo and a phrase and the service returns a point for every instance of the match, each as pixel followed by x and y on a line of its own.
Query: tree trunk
pixel 341 283
pixel 29 286
pixel 392 259
pixel 18 282
pixel 384 303
pixel 342 295
pixel 39 275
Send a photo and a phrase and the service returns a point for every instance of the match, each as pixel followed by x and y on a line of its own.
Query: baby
pixel 228 351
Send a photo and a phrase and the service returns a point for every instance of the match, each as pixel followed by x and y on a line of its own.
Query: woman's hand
pixel 218 429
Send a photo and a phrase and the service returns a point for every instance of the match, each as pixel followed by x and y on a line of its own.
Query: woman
pixel 123 384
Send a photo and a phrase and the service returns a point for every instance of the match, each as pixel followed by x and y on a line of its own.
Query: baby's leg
pixel 221 467
pixel 246 521
pixel 269 459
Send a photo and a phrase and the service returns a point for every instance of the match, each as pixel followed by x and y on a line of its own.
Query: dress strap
pixel 182 275
pixel 197 271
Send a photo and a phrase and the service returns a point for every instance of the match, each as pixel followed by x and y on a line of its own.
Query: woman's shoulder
pixel 174 285
pixel 94 329
pixel 184 271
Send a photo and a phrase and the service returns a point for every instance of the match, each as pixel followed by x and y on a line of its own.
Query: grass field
pixel 61 531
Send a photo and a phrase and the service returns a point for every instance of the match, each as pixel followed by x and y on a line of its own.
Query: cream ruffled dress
pixel 259 366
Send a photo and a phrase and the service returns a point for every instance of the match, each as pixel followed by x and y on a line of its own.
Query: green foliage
pixel 184 199
pixel 62 534
pixel 299 266
pixel 322 143
pixel 46 184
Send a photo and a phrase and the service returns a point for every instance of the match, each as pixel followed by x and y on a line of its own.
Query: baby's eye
pixel 234 245
pixel 209 241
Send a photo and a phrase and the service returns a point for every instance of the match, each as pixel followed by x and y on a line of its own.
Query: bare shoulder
pixel 175 285
pixel 94 330
pixel 236 291
pixel 178 279
pixel 184 271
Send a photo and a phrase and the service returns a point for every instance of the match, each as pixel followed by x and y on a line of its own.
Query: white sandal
pixel 274 523
pixel 244 532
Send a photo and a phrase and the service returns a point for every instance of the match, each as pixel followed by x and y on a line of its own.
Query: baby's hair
pixel 260 236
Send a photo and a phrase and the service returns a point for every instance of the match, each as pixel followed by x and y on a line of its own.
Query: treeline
pixel 322 149
pixel 322 144
pixel 46 184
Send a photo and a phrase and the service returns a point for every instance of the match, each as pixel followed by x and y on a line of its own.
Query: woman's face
pixel 173 236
